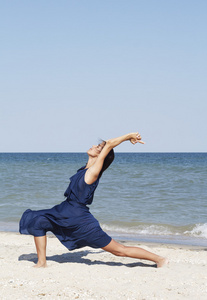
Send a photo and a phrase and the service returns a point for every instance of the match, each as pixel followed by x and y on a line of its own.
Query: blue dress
pixel 70 221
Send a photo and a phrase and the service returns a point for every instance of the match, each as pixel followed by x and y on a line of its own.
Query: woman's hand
pixel 136 138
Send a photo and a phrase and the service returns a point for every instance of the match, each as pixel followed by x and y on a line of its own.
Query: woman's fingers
pixel 137 139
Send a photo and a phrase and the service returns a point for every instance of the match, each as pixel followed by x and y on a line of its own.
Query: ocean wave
pixel 199 230
pixel 196 230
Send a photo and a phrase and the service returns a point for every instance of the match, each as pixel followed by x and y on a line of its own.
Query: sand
pixel 94 274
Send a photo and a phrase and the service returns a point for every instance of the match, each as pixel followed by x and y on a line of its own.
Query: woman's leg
pixel 41 243
pixel 134 252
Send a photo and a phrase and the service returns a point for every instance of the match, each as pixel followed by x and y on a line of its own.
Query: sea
pixel 142 197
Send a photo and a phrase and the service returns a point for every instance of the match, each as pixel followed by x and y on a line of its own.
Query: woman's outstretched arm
pixel 93 172
pixel 132 137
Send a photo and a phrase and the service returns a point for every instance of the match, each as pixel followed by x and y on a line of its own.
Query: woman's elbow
pixel 109 144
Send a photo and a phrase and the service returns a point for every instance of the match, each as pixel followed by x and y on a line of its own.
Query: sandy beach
pixel 94 274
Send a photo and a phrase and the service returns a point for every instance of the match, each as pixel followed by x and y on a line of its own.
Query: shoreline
pixel 131 242
pixel 151 244
pixel 143 239
pixel 91 274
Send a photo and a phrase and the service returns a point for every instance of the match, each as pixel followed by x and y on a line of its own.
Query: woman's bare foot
pixel 162 262
pixel 41 264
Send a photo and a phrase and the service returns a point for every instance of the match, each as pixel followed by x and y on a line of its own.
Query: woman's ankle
pixel 41 264
pixel 162 261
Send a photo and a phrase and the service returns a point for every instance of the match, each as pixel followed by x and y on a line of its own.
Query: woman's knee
pixel 38 226
pixel 119 253
pixel 116 249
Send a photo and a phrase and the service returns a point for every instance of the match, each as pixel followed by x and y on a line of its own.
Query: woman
pixel 71 221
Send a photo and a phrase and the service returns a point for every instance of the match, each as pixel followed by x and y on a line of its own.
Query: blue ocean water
pixel 157 197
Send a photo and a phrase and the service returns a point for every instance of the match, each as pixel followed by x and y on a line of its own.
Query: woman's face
pixel 96 150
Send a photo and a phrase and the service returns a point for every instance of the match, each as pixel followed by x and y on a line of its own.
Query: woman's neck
pixel 91 161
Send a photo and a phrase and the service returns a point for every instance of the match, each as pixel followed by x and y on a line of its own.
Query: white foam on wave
pixel 140 230
pixel 200 230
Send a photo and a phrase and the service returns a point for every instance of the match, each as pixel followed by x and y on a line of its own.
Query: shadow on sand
pixel 79 257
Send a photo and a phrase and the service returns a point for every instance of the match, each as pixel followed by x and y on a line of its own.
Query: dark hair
pixel 107 161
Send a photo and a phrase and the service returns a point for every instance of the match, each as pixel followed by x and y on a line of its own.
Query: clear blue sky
pixel 76 71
